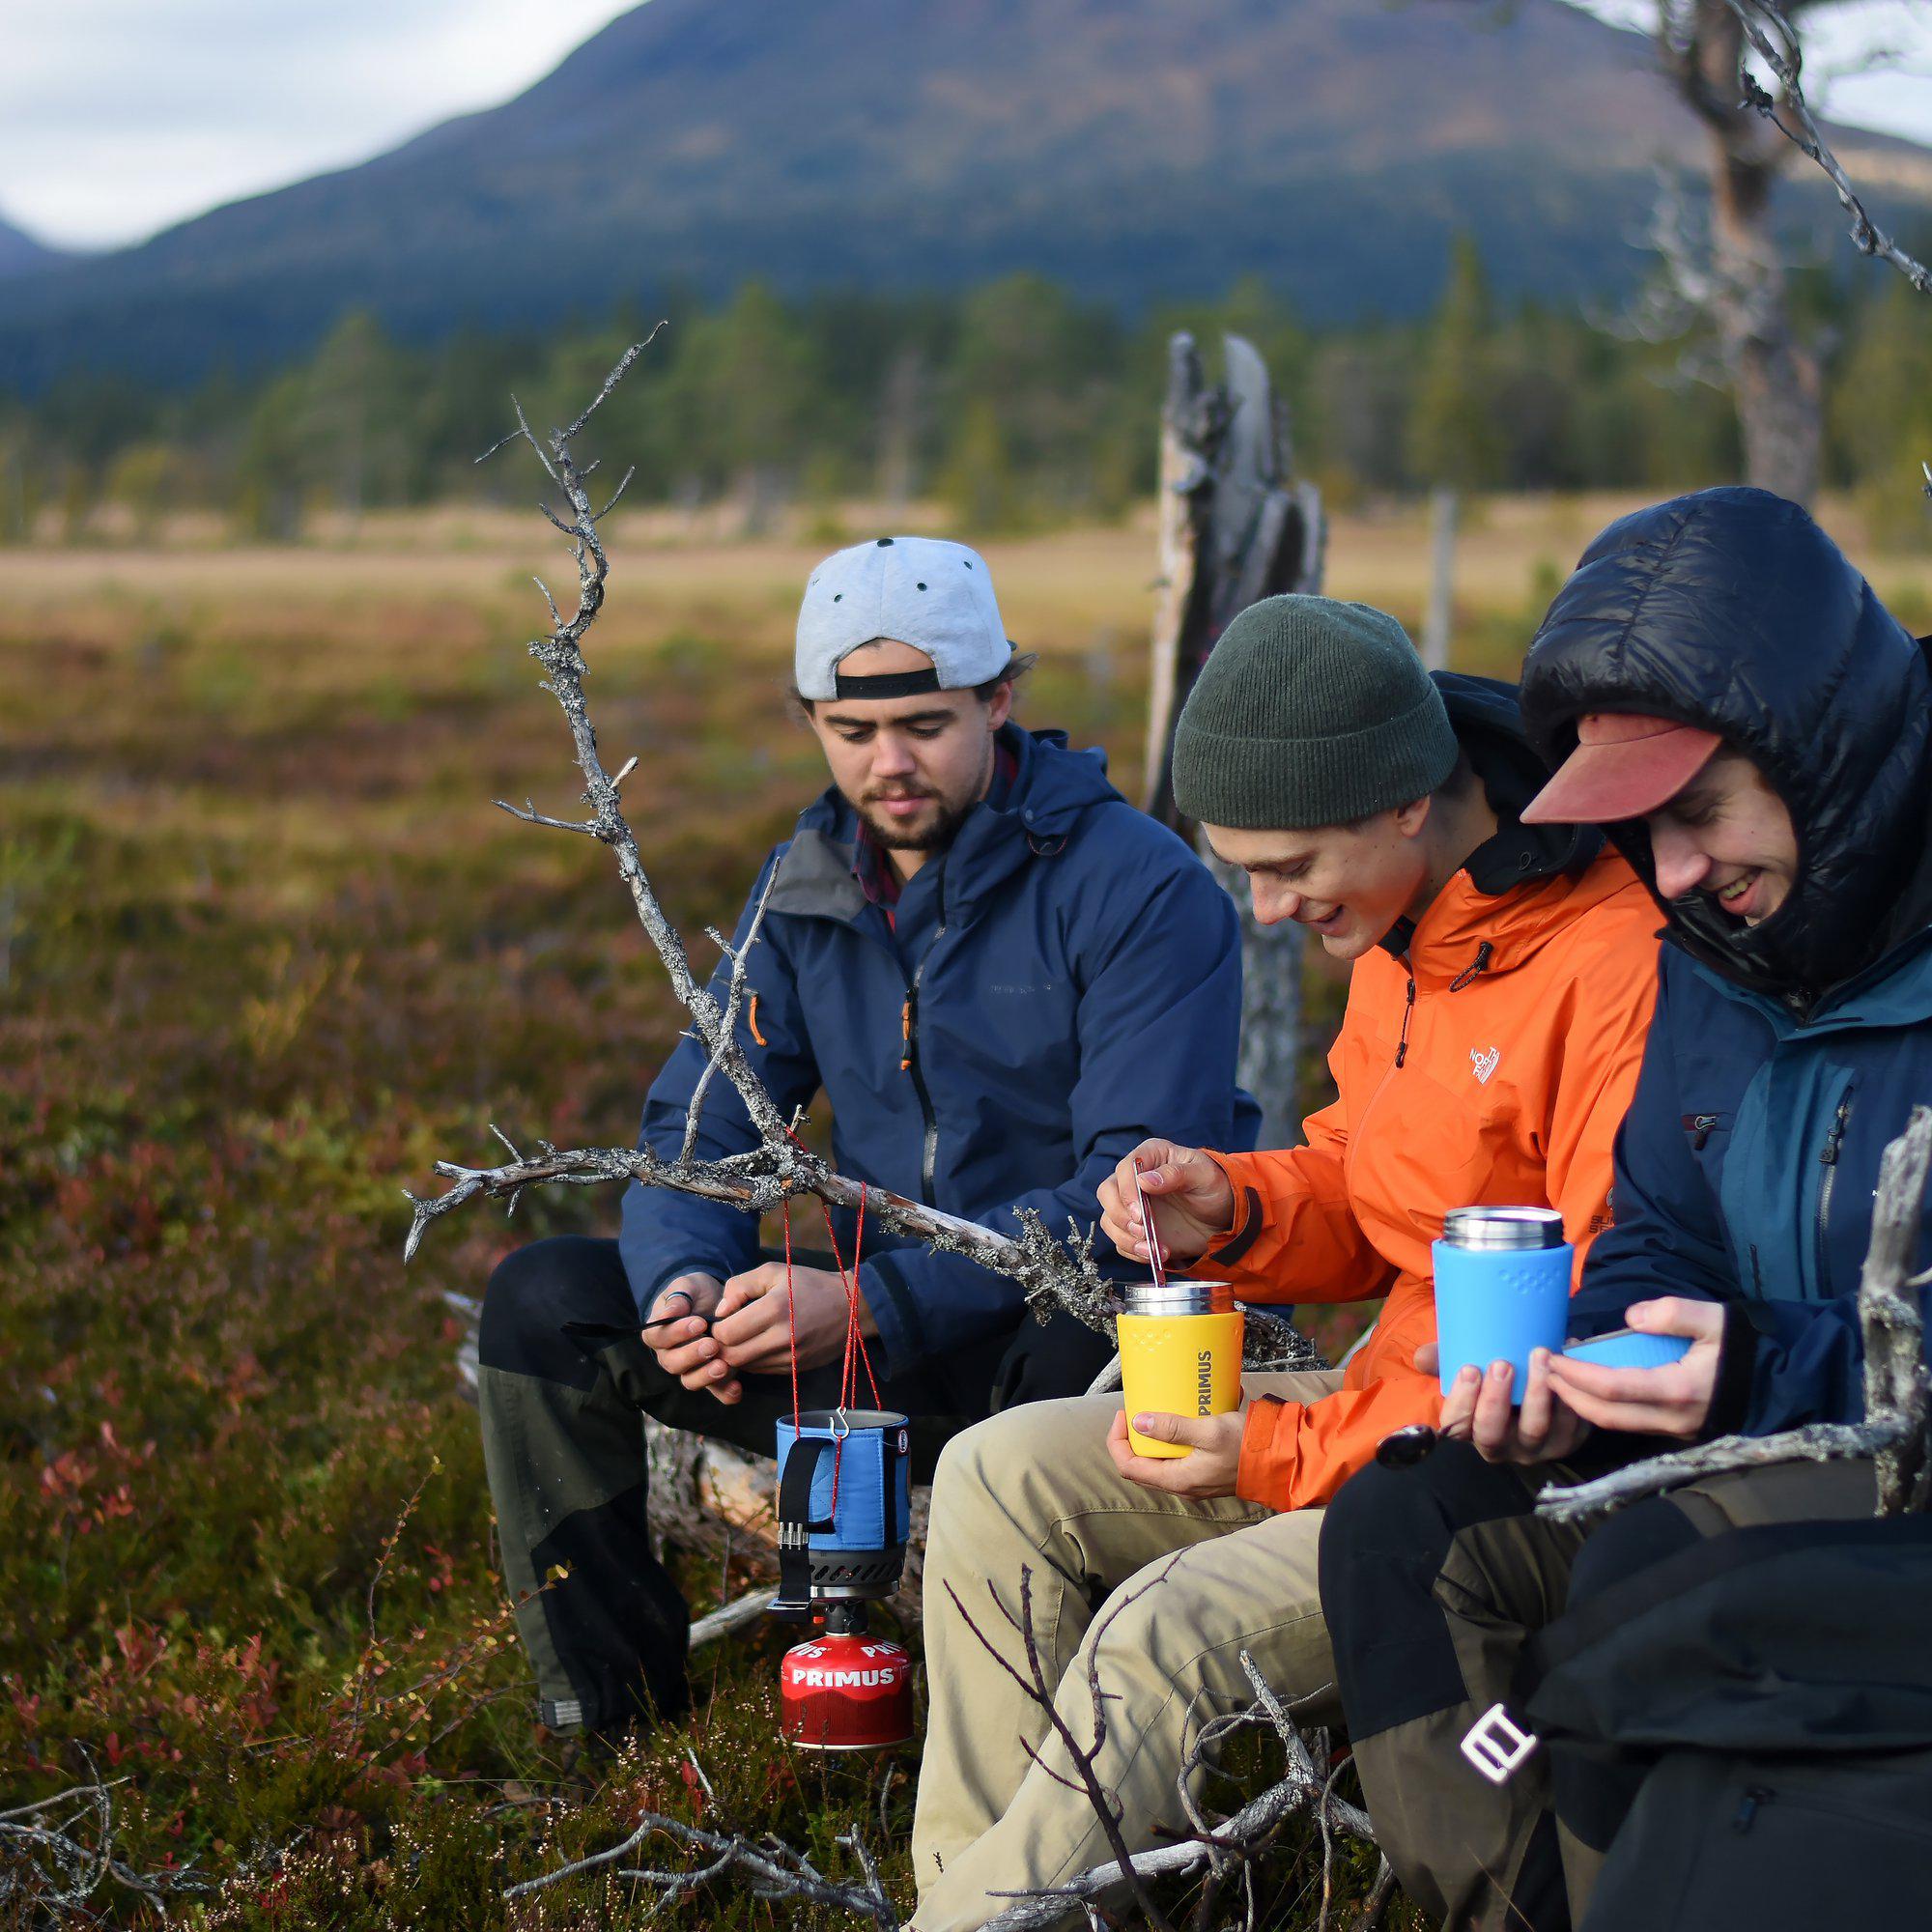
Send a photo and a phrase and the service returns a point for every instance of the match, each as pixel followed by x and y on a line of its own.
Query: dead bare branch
pixel 1376 1906
pixel 1815 1442
pixel 1062 1274
pixel 739 956
pixel 774 1869
pixel 56 1854
pixel 1220 1849
pixel 1890 1322
pixel 1776 43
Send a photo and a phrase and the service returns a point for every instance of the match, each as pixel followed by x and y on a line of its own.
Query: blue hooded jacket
pixel 1782 1057
pixel 1063 981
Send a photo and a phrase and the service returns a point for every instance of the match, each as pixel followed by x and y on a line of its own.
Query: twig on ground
pixel 774 1869
pixel 732 1616
pixel 46 1862
pixel 1084 1757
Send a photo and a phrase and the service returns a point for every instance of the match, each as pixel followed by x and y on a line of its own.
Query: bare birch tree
pixel 1736 278
pixel 1723 264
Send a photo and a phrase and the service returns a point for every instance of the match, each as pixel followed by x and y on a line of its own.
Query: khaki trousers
pixel 1034 1490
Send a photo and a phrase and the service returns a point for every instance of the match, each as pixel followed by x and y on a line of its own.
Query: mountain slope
pixel 1134 148
pixel 21 255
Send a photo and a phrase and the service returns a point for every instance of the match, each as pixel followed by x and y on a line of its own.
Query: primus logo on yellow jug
pixel 1203 1382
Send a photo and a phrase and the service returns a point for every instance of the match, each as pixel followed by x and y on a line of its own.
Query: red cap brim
pixel 1598 784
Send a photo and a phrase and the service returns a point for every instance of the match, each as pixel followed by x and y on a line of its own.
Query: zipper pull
pixel 1835 1139
pixel 1699 1126
pixel 1755 1795
pixel 905 1034
pixel 1409 1007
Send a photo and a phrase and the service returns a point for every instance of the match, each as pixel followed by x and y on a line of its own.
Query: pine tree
pixel 749 394
pixel 1882 414
pixel 351 427
pixel 1452 428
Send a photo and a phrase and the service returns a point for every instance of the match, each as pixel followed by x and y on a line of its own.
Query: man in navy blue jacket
pixel 1002 977
pixel 1722 691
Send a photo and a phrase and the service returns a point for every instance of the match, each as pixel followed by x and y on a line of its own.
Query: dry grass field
pixel 265 953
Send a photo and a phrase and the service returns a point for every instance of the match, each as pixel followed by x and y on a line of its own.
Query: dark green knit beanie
pixel 1309 712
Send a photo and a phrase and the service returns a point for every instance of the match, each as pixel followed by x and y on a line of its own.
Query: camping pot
pixel 844 1507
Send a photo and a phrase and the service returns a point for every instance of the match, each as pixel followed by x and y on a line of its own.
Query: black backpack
pixel 1757 1710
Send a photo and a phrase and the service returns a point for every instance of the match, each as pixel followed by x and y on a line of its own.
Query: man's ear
pixel 1410 818
pixel 1000 706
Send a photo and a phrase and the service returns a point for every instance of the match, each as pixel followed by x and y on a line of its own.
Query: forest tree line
pixel 1016 405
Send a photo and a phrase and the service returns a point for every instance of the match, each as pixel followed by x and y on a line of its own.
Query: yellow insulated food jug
pixel 1180 1353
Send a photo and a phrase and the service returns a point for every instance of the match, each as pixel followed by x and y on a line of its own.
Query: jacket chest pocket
pixel 1015 1027
pixel 1421 1148
pixel 1709 1134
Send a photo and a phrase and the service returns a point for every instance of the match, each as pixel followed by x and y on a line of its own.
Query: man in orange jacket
pixel 1501 987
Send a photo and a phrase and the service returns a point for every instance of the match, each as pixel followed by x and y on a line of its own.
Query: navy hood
pixel 1732 611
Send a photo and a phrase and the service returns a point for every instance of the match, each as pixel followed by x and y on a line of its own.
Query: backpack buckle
pixel 1496 1745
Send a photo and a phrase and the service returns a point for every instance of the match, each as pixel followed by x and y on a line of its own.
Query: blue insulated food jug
pixel 857 1549
pixel 1502 1288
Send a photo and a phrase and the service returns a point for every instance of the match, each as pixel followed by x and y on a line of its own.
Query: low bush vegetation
pixel 265 953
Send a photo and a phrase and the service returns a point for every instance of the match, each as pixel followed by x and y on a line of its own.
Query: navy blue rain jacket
pixel 1781 1058
pixel 1074 981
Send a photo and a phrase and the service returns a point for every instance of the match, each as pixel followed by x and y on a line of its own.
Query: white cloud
pixel 119 117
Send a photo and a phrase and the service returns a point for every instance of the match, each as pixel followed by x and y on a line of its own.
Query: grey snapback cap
pixel 936 596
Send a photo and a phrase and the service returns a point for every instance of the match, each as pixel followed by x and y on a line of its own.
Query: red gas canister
pixel 846 1689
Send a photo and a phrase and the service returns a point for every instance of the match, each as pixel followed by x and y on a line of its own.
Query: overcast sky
pixel 119 117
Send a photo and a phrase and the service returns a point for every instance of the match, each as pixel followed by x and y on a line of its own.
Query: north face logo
pixel 1484 1064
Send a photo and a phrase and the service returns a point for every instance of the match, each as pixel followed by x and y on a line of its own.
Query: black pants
pixel 565 1376
pixel 1434 1579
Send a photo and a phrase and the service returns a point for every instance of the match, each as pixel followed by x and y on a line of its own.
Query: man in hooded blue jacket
pixel 1721 689
pixel 1003 977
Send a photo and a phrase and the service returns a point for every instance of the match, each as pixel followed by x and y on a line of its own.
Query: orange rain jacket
pixel 1492 1064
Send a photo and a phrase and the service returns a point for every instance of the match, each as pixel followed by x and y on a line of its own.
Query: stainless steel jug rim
pixel 1174 1297
pixel 1514 1230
